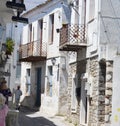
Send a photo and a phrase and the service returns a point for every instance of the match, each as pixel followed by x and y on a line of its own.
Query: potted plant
pixel 9 46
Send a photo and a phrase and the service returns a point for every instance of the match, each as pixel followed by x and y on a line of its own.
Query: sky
pixel 32 3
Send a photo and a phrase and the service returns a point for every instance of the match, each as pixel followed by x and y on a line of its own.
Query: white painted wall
pixel 103 40
pixel 25 35
pixel 48 103
pixel 116 93
pixel 24 67
pixel 110 27
pixel 12 32
pixel 103 31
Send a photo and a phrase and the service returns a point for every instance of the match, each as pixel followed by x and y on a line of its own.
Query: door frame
pixel 38 86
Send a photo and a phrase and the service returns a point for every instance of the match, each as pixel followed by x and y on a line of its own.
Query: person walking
pixel 18 94
pixel 3 110
pixel 5 90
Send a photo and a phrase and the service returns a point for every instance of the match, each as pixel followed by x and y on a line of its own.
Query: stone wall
pixel 62 90
pixel 108 92
pixel 101 93
pixel 93 108
pixel 62 110
pixel 72 117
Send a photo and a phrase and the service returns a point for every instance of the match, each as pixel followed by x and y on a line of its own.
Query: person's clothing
pixel 7 93
pixel 2 100
pixel 18 93
pixel 3 114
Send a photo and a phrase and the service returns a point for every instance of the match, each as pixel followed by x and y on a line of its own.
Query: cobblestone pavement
pixel 32 118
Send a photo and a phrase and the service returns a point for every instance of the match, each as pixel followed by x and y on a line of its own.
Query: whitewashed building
pixel 44 68
pixel 95 71
pixel 9 64
pixel 5 17
pixel 5 64
pixel 82 78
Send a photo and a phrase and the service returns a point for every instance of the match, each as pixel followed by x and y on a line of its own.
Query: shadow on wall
pixel 29 102
pixel 78 94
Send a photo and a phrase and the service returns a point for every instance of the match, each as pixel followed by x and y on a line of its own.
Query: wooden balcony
pixel 72 37
pixel 32 52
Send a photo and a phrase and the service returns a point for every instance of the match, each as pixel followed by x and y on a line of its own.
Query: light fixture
pixel 19 6
pixel 20 19
pixel 57 30
pixel 53 60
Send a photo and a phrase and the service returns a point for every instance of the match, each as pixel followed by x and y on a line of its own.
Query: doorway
pixel 38 87
pixel 84 102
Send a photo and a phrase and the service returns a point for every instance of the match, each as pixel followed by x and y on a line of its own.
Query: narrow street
pixel 32 118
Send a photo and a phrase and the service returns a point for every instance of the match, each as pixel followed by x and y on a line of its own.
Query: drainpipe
pixel 84 18
pixel 85 12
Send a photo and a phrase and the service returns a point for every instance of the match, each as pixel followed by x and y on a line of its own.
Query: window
pixel 76 9
pixel 33 34
pixel 51 31
pixel 73 96
pixel 84 102
pixel 50 73
pixel 18 71
pixel 18 68
pixel 30 33
pixel 92 10
pixel 40 31
pixel 28 82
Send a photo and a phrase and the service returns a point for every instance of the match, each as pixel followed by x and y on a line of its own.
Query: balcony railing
pixel 32 52
pixel 72 37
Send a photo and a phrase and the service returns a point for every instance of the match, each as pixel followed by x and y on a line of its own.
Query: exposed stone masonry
pixel 93 68
pixel 100 74
pixel 108 91
pixel 101 92
pixel 72 117
pixel 101 95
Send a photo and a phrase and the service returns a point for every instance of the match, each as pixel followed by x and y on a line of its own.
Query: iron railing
pixel 73 34
pixel 33 49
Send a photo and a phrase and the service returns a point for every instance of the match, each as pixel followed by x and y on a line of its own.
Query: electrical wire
pixel 114 11
pixel 118 28
pixel 104 27
pixel 102 18
pixel 76 10
pixel 75 7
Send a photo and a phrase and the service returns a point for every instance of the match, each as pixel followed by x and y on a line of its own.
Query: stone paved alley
pixel 31 118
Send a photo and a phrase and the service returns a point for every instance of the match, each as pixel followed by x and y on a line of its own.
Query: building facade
pixel 44 68
pixel 5 59
pixel 96 47
pixel 70 60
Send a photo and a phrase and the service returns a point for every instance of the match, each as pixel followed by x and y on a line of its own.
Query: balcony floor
pixel 68 47
pixel 32 59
